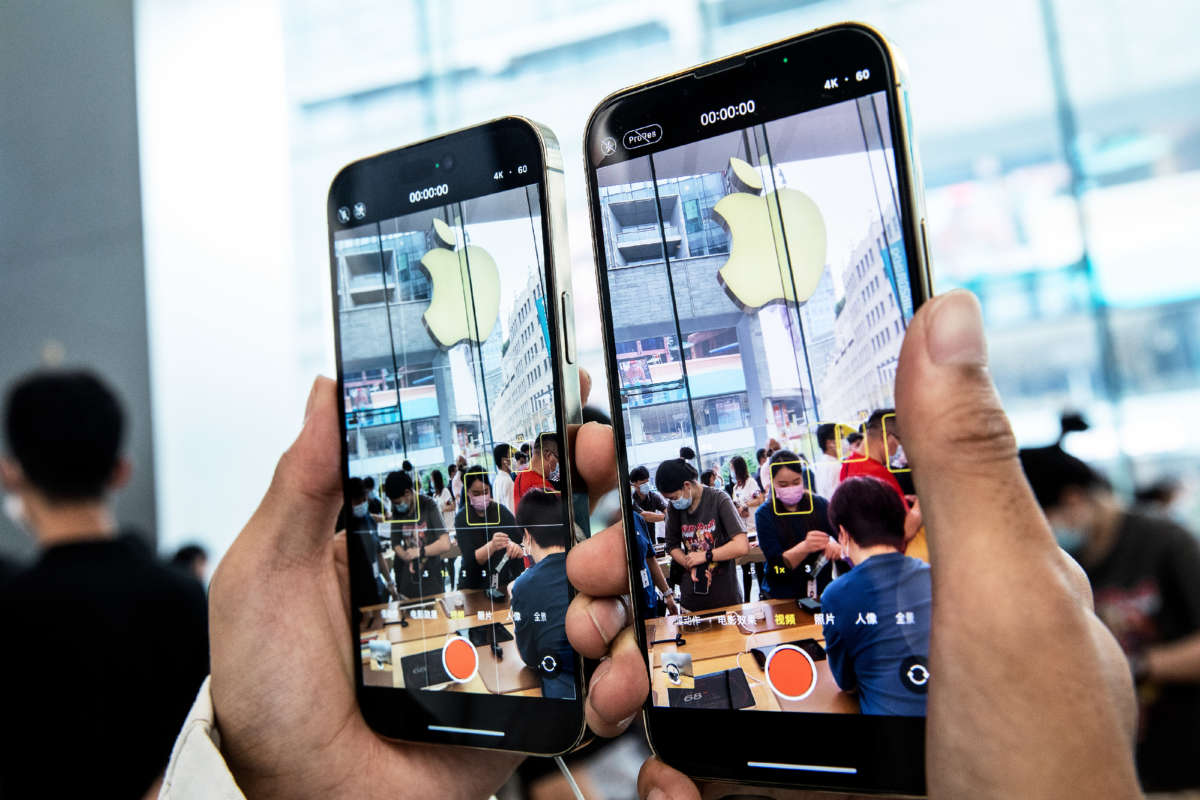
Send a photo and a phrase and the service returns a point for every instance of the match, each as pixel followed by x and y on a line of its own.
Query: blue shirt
pixel 642 577
pixel 539 604
pixel 885 661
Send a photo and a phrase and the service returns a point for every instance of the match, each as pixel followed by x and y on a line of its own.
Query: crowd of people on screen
pixel 511 535
pixel 838 530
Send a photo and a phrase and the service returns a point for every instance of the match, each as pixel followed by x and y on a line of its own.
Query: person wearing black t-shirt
pixel 419 539
pixel 1145 577
pixel 799 545
pixel 488 537
pixel 104 646
pixel 704 537
pixel 372 580
pixel 374 504
pixel 540 595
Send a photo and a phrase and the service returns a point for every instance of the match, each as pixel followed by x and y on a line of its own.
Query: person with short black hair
pixel 876 617
pixel 1145 574
pixel 137 629
pixel 828 466
pixel 798 543
pixel 881 441
pixel 487 535
pixel 503 484
pixel 646 502
pixel 540 594
pixel 192 559
pixel 419 538
pixel 543 467
pixel 704 537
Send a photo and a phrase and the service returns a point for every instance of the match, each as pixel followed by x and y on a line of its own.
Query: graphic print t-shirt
pixel 1147 592
pixel 714 522
pixel 420 577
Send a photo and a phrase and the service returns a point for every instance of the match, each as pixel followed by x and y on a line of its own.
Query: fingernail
pixel 613 614
pixel 656 793
pixel 601 671
pixel 312 398
pixel 955 333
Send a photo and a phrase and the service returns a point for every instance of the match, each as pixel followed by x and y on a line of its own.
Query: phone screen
pixel 759 278
pixel 456 495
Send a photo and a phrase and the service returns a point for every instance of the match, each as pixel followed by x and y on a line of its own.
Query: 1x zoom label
pixel 640 137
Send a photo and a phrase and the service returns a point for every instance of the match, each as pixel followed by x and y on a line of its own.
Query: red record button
pixel 790 672
pixel 459 659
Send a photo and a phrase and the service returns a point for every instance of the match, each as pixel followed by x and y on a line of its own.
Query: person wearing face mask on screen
pixel 800 546
pixel 488 536
pixel 704 537
pixel 363 535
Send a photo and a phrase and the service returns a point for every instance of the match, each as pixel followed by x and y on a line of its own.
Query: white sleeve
pixel 197 770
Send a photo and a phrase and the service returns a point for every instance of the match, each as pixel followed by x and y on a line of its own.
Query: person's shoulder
pixel 764 515
pixel 832 597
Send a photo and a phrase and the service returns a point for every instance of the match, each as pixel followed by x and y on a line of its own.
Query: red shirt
pixel 526 480
pixel 872 468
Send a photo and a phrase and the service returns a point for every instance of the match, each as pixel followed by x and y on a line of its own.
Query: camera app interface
pixel 456 519
pixel 759 292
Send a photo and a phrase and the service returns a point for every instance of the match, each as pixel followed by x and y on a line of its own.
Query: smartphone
pixel 760 248
pixel 455 356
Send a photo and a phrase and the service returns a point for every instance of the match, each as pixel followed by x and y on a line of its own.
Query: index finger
pixel 596 566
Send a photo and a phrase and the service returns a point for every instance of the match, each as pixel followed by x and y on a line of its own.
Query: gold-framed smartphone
pixel 759 233
pixel 456 359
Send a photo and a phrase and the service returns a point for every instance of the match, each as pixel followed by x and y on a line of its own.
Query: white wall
pixel 220 288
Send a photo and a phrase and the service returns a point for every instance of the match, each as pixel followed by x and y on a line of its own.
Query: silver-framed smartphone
pixel 457 383
pixel 758 230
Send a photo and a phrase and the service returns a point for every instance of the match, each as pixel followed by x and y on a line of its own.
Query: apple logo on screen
pixel 465 290
pixel 762 264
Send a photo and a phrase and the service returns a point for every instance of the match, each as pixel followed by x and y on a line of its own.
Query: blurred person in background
pixel 647 503
pixel 746 498
pixel 451 475
pixel 503 484
pixel 105 647
pixel 687 453
pixel 193 559
pixel 1145 575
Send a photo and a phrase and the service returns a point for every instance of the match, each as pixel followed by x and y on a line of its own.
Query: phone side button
pixel 568 326
pixel 925 246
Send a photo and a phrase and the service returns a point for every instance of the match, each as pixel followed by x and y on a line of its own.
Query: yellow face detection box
pixel 803 469
pixel 840 431
pixel 486 522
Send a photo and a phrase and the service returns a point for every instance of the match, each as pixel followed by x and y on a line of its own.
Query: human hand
pixel 498 542
pixel 515 553
pixel 833 551
pixel 695 559
pixel 279 628
pixel 672 606
pixel 1064 729
pixel 816 541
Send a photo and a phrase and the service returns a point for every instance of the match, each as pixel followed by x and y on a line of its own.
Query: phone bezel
pixel 535 726
pixel 888 752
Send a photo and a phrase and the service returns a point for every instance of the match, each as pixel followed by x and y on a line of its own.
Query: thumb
pixel 958 440
pixel 297 515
